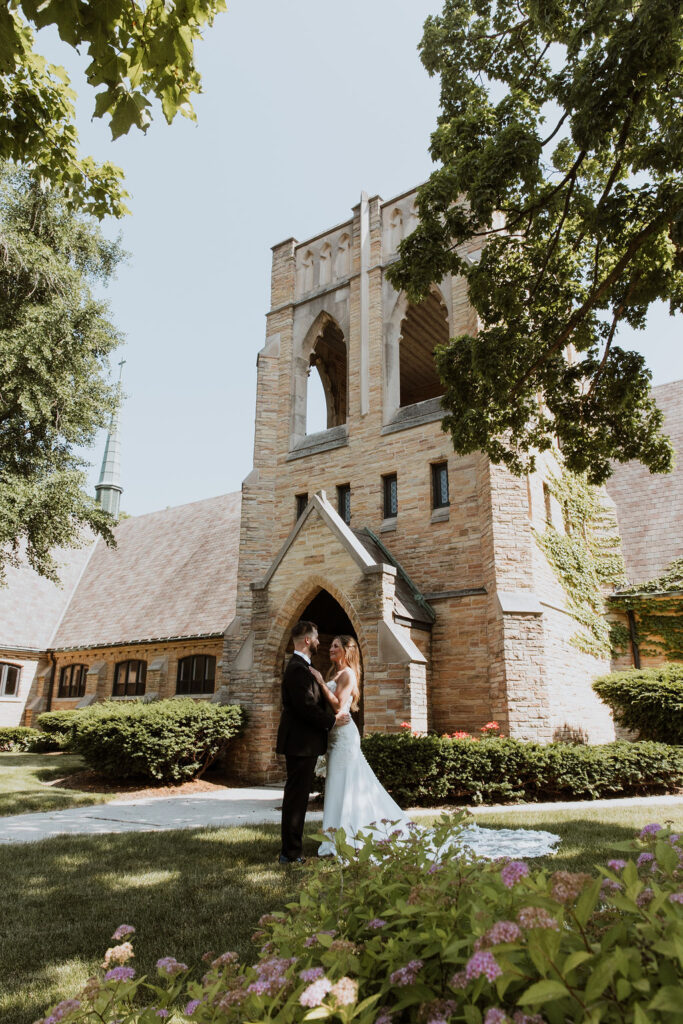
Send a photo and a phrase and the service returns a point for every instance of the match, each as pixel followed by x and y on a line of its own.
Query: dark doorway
pixel 331 620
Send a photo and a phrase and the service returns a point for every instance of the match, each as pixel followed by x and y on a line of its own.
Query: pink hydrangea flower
pixel 118 954
pixel 496 1016
pixel 345 991
pixel 512 872
pixel 502 931
pixel 122 931
pixel 313 995
pixel 537 917
pixel 482 963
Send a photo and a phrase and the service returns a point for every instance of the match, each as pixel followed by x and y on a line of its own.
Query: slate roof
pixel 650 506
pixel 31 606
pixel 172 574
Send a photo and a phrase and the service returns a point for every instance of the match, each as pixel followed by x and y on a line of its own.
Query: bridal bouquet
pixel 321 767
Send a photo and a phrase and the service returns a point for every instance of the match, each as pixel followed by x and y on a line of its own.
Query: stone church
pixel 370 526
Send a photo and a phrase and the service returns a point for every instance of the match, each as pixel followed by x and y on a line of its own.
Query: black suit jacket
pixel 306 716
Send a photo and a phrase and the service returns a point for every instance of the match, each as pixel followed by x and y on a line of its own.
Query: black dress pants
pixel 300 775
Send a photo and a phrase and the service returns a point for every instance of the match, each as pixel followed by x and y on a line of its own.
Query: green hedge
pixel 56 729
pixel 647 701
pixel 164 741
pixel 17 737
pixel 426 770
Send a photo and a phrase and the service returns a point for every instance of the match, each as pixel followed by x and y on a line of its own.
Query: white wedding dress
pixel 356 801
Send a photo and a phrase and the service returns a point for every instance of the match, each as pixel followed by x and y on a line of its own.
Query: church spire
pixel 109 488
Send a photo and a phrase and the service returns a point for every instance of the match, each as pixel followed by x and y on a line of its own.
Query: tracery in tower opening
pixel 329 359
pixel 423 328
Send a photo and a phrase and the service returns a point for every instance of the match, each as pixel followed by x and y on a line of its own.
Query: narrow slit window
pixel 390 484
pixel 301 503
pixel 344 502
pixel 440 485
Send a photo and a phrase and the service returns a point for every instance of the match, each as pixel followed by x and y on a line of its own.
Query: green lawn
pixel 25 778
pixel 190 892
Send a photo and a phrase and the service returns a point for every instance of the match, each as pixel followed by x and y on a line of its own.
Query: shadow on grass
pixel 185 892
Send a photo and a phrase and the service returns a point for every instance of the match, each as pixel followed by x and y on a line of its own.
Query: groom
pixel 302 736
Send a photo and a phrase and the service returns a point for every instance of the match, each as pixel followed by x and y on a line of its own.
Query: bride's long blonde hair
pixel 352 656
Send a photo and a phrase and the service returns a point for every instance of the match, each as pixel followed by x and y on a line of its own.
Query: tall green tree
pixel 139 50
pixel 55 340
pixel 560 152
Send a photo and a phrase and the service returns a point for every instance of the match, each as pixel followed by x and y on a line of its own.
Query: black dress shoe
pixel 291 860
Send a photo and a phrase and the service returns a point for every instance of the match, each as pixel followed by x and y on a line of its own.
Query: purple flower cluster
pixel 61 1010
pixel 482 964
pixel 376 922
pixel 676 897
pixel 384 1016
pixel 496 1016
pixel 645 858
pixel 271 976
pixel 170 966
pixel 315 993
pixel 120 974
pixel 439 1011
pixel 501 931
pixel 616 865
pixel 644 898
pixel 406 975
pixel 311 974
pixel 537 917
pixel 513 871
pixel 650 830
pixel 519 1017
pixel 191 1007
pixel 609 886
pixel 224 959
pixel 458 980
pixel 122 931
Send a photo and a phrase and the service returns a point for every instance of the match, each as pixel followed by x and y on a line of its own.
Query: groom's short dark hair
pixel 303 628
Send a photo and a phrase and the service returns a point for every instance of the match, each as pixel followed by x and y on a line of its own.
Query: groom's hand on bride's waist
pixel 342 718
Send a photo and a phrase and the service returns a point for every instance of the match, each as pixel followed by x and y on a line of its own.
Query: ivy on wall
pixel 585 557
pixel 658 613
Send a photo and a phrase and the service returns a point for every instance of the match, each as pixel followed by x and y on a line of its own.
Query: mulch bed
pixel 89 781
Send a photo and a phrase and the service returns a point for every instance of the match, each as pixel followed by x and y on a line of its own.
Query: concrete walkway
pixel 246 807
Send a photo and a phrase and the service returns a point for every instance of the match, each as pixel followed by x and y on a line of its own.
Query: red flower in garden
pixel 490 727
pixel 404 725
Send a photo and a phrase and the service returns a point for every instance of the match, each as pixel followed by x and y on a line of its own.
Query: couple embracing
pixel 316 717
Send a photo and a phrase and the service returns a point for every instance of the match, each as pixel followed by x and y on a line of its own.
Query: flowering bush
pixel 431 769
pixel 389 935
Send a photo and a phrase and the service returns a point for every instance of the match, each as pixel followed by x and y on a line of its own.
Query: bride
pixel 354 797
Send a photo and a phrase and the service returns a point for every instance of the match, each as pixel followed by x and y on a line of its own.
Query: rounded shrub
pixel 427 770
pixel 17 737
pixel 164 741
pixel 647 701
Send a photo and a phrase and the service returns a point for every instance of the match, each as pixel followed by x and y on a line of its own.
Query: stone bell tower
pixel 372 525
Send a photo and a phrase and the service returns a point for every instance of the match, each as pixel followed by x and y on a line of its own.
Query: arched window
pixel 423 328
pixel 325 264
pixel 342 261
pixel 9 679
pixel 196 674
pixel 328 358
pixel 306 272
pixel 72 681
pixel 129 678
pixel 396 228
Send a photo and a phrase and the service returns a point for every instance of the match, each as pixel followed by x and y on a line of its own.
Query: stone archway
pixel 332 620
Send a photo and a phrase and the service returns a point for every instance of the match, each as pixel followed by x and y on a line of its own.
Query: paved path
pixel 240 807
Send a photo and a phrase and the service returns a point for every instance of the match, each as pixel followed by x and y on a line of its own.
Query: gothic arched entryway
pixel 331 620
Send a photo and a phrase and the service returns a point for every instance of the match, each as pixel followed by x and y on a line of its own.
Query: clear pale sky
pixel 305 104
